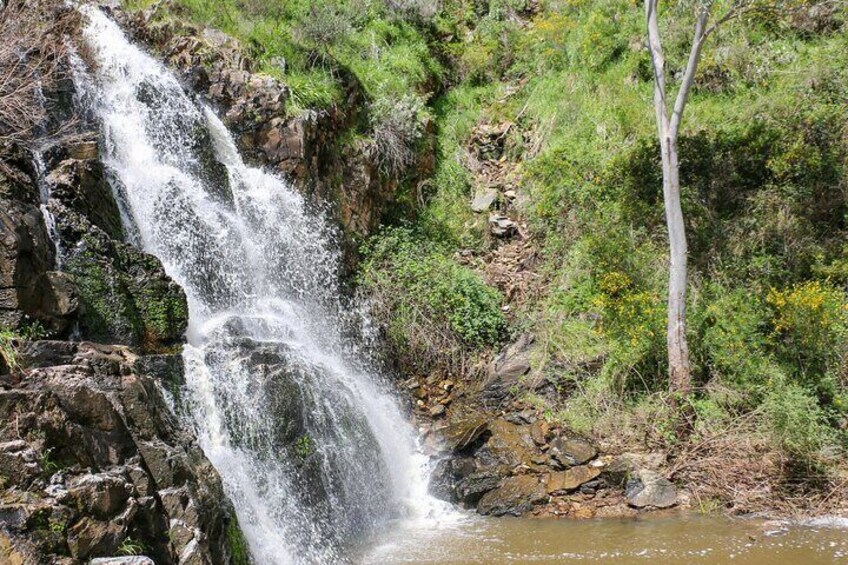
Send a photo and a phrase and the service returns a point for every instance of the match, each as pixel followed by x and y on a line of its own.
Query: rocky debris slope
pixel 499 456
pixel 93 463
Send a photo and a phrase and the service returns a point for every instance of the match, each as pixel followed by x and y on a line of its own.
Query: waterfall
pixel 309 442
pixel 44 195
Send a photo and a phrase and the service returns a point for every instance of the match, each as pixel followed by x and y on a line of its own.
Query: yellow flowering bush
pixel 810 326
pixel 634 319
pixel 811 314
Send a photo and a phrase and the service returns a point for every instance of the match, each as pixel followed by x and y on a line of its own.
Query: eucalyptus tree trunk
pixel 668 128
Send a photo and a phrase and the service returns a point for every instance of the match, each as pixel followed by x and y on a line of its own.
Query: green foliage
pixel 396 128
pixel 29 330
pixel 734 346
pixel 797 422
pixel 47 463
pixel 317 47
pixel 763 189
pixel 810 337
pixel 426 299
pixel 8 355
pixel 130 547
pixel 304 447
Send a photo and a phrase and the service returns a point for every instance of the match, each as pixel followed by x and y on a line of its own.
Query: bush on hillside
pixel 810 323
pixel 396 128
pixel 417 11
pixel 434 310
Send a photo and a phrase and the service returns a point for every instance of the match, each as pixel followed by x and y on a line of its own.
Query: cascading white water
pixel 310 444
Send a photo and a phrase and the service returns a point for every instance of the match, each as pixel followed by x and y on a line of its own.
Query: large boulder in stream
pixel 93 461
pixel 515 495
pixel 650 490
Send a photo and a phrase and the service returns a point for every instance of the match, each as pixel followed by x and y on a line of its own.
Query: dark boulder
pixel 471 488
pixel 515 496
pixel 82 186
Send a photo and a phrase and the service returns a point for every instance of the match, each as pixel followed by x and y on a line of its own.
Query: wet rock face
pixel 92 460
pixel 30 289
pixel 110 290
pixel 81 184
pixel 511 365
pixel 515 495
pixel 125 294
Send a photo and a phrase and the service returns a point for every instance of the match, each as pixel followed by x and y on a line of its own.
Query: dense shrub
pixel 797 422
pixel 419 11
pixel 396 129
pixel 810 323
pixel 733 345
pixel 434 309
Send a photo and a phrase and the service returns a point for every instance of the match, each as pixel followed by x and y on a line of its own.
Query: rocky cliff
pixel 94 462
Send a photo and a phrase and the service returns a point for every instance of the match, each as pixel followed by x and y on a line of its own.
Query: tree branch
pixel 691 68
pixel 658 62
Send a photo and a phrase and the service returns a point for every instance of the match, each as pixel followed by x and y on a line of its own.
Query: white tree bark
pixel 668 128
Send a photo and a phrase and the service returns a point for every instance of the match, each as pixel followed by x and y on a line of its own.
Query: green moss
pixel 239 553
pixel 125 295
pixel 304 446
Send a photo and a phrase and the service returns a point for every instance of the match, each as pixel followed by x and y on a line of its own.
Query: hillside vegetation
pixel 567 84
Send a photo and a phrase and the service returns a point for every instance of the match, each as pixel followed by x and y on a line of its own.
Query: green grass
pixel 314 46
pixel 764 157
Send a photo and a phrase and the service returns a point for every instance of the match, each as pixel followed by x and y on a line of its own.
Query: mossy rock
pixel 125 294
pixel 239 553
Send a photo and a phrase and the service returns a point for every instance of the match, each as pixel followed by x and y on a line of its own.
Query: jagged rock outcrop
pixel 522 466
pixel 94 464
pixel 83 273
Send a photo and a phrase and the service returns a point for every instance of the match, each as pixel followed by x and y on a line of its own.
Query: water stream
pixel 668 540
pixel 310 443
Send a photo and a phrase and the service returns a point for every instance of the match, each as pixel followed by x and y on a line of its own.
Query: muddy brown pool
pixel 655 541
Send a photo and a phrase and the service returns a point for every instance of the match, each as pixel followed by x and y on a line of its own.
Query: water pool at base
pixel 657 541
